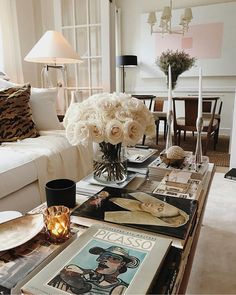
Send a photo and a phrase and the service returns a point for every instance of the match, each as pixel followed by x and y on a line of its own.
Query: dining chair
pixel 217 117
pixel 187 122
pixel 159 115
pixel 144 98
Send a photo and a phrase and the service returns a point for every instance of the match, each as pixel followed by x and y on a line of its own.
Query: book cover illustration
pixel 103 261
pixel 158 214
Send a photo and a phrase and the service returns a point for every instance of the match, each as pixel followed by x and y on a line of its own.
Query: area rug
pixel 220 157
pixel 214 266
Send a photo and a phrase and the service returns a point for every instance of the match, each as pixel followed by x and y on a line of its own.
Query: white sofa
pixel 26 165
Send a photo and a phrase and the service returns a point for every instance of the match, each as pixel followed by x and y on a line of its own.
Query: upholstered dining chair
pixel 159 115
pixel 187 122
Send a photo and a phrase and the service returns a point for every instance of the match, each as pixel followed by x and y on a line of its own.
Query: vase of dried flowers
pixel 179 61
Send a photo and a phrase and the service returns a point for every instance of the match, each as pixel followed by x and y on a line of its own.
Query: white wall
pixel 233 141
pixel 131 44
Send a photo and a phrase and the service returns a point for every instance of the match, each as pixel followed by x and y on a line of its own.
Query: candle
pixel 169 90
pixel 57 223
pixel 200 94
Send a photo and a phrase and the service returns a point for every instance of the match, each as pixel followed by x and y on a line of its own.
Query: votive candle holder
pixel 57 223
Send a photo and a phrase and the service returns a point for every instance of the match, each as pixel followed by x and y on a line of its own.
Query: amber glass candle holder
pixel 57 223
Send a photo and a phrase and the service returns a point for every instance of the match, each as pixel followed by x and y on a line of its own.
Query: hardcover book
pixel 104 260
pixel 154 213
pixel 231 174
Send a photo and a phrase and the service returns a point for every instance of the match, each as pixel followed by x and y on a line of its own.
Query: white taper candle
pixel 169 90
pixel 200 94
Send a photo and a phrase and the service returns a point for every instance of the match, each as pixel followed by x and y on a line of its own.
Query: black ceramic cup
pixel 61 192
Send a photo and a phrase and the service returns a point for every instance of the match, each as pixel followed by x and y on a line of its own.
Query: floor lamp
pixel 54 51
pixel 126 61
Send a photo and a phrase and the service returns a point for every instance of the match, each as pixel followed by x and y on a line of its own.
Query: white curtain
pixel 10 55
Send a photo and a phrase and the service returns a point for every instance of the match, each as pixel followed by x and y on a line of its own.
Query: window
pixel 82 23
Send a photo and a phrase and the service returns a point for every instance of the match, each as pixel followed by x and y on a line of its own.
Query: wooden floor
pixel 220 157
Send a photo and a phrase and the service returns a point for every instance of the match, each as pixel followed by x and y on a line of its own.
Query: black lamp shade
pixel 126 61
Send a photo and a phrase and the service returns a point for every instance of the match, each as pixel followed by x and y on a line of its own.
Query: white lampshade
pixel 188 14
pixel 166 15
pixel 152 18
pixel 53 48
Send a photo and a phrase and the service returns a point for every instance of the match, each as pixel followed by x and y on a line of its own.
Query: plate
pixel 90 179
pixel 16 232
pixel 135 155
pixel 9 215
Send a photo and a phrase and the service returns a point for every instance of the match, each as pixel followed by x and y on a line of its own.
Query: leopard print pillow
pixel 15 114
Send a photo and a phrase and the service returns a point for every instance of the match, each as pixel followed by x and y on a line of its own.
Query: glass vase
pixel 110 163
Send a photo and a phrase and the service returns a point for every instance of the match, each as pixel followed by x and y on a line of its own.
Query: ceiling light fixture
pixel 165 22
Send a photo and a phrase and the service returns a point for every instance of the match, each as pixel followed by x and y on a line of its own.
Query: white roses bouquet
pixel 111 120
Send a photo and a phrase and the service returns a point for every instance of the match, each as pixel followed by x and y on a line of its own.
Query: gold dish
pixel 16 232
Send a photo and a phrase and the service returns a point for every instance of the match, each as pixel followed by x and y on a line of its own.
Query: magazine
pixel 135 209
pixel 103 260
pixel 179 184
pixel 19 264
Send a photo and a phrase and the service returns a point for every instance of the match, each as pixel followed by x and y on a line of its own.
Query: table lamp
pixel 54 51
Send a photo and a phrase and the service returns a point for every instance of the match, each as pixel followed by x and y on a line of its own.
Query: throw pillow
pixel 15 114
pixel 43 105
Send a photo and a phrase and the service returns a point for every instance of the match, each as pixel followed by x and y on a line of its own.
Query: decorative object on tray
pixel 174 218
pixel 103 260
pixel 179 61
pixel 136 155
pixel 173 156
pixel 112 121
pixel 158 169
pixel 130 176
pixel 57 223
pixel 16 232
pixel 199 126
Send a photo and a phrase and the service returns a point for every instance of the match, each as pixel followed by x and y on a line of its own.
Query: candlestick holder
pixel 198 151
pixel 57 223
pixel 169 124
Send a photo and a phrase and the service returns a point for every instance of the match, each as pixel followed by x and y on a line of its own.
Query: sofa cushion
pixel 43 105
pixel 15 114
pixel 17 170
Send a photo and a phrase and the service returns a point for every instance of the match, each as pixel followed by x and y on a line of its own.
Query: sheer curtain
pixel 10 55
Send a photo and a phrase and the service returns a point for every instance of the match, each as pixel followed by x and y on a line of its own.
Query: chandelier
pixel 165 21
